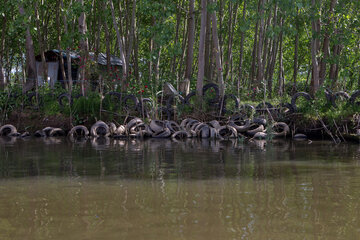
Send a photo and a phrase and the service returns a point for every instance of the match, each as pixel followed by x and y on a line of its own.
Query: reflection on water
pixel 160 189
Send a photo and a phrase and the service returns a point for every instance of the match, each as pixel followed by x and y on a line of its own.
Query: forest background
pixel 252 49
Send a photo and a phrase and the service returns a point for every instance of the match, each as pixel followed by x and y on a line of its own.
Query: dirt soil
pixel 33 121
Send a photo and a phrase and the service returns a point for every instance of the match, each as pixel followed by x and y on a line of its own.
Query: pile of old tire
pixel 355 96
pixel 296 96
pixel 9 130
pixel 50 132
pixel 332 97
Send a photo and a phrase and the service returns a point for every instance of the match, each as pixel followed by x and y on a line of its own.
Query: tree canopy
pixel 277 46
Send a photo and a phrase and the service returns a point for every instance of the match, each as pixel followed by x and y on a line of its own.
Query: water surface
pixel 159 189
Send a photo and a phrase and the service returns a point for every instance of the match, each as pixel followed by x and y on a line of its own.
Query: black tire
pixel 237 117
pixel 286 106
pixel 79 131
pixel 214 86
pixel 353 97
pixel 167 113
pixel 171 100
pixel 134 100
pixel 172 126
pixel 14 95
pixel 245 108
pixel 263 107
pixel 226 99
pixel 77 96
pixel 111 97
pixel 64 97
pixel 143 106
pixel 51 96
pixel 259 121
pixel 188 97
pixel 341 94
pixel 179 135
pixel 7 130
pixel 296 96
pixel 115 95
pixel 31 100
pixel 329 95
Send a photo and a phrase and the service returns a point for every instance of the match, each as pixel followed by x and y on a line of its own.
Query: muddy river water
pixel 160 189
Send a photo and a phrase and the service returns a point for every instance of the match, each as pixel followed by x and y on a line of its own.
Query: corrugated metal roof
pixel 73 55
pixel 114 61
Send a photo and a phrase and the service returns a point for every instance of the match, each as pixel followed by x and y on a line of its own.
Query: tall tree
pixel 201 68
pixel 315 46
pixel 84 44
pixel 2 50
pixel 31 78
pixel 68 56
pixel 61 59
pixel 260 70
pixel 121 48
pixel 242 39
pixel 191 39
pixel 296 50
pixel 215 37
pixel 326 43
pixel 41 44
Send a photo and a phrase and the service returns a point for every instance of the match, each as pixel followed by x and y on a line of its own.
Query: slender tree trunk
pixel 108 54
pixel 151 49
pixel 267 43
pixel 31 80
pixel 201 68
pixel 68 57
pixel 45 26
pixel 191 39
pixel 231 60
pixel 334 68
pixel 131 35
pixel 281 65
pixel 2 76
pixel 208 49
pixel 254 55
pixel 120 45
pixel 217 53
pixel 231 23
pixel 181 73
pixel 296 54
pixel 136 59
pixel 242 37
pixel 260 70
pixel 326 44
pixel 333 65
pixel 151 46
pixel 98 33
pixel 2 50
pixel 94 26
pixel 61 59
pixel 178 23
pixel 314 51
pixel 272 57
pixel 9 66
pixel 220 16
pixel 157 66
pixel 41 46
pixel 85 86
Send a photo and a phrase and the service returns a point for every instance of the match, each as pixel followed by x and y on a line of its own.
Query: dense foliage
pixel 275 47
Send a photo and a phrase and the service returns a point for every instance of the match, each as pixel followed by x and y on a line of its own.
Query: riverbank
pixel 327 115
pixel 266 126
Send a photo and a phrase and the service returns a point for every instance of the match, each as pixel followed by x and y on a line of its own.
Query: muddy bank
pixel 31 121
pixel 264 127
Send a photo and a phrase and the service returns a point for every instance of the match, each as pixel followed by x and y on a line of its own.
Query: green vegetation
pixel 263 50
